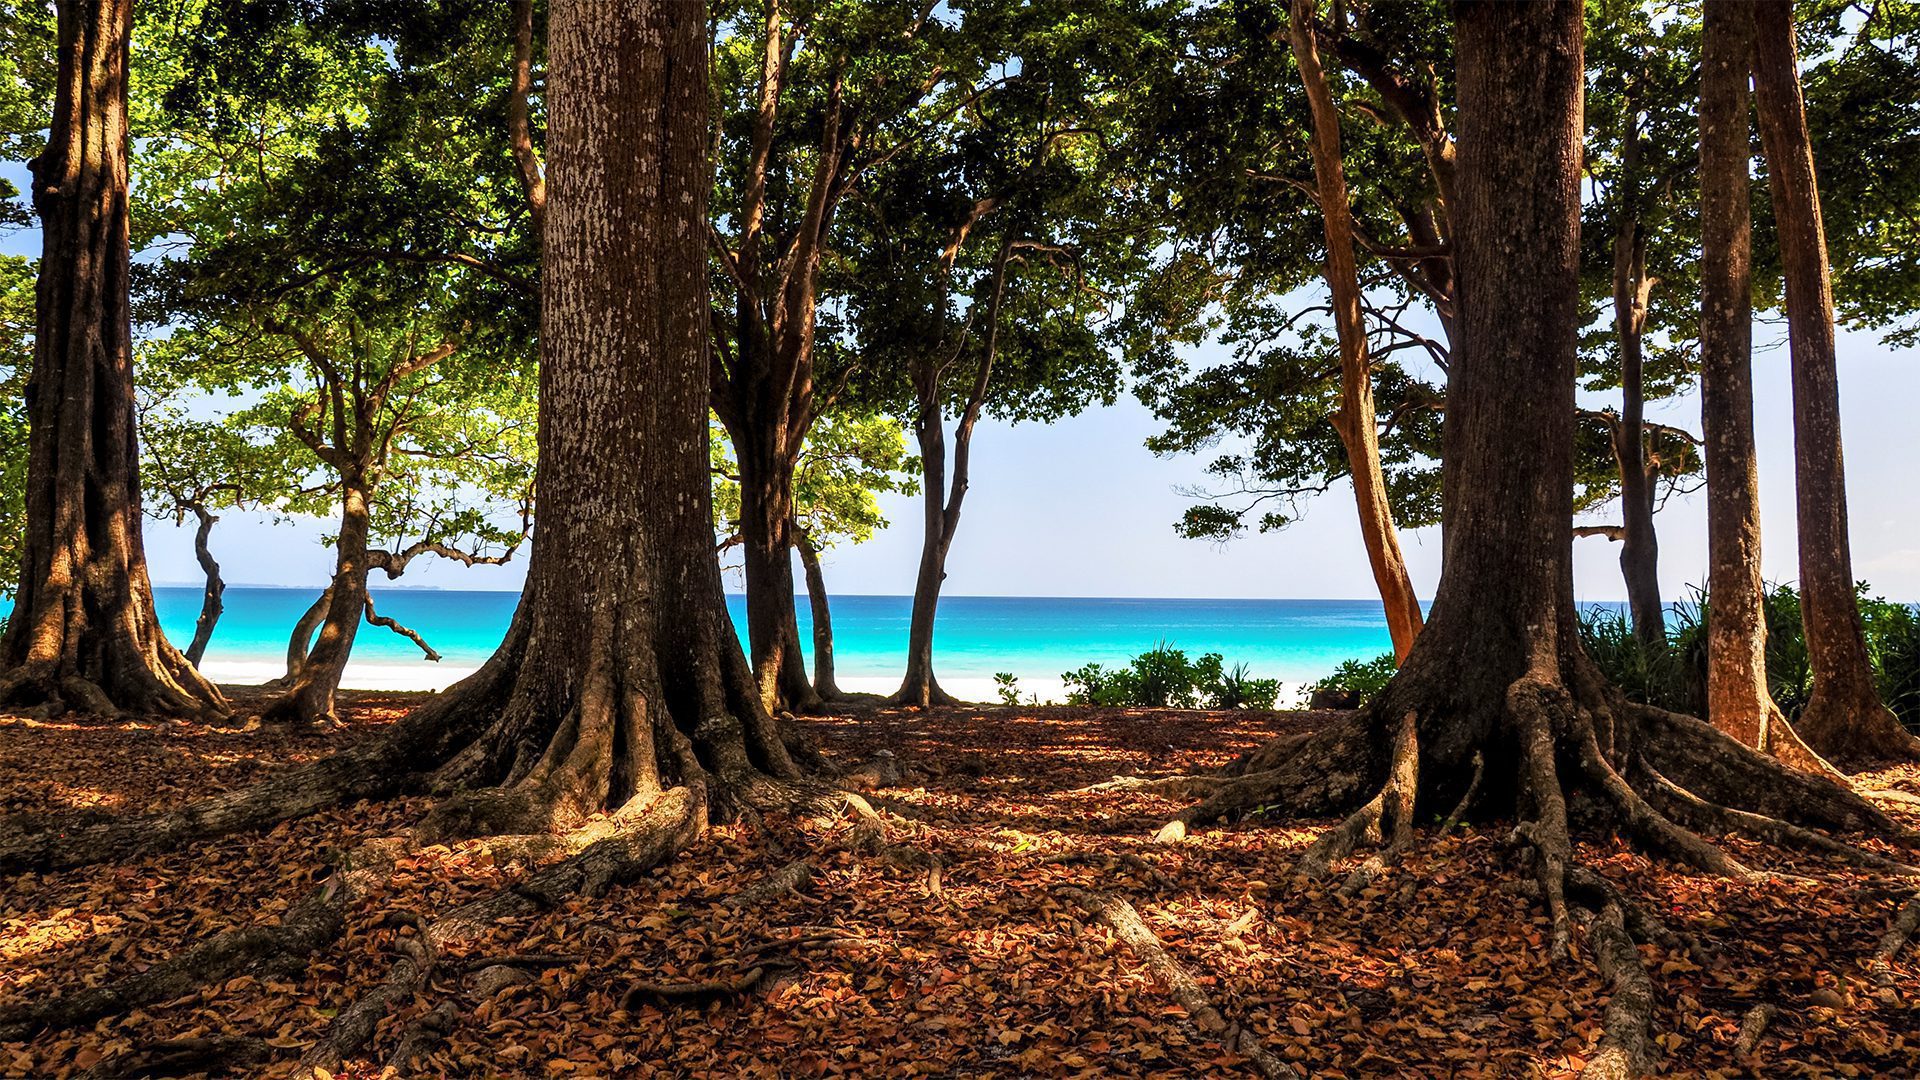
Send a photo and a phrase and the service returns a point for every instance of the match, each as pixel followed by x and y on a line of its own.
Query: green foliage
pixel 850 459
pixel 1007 687
pixel 1164 678
pixel 1362 678
pixel 1675 677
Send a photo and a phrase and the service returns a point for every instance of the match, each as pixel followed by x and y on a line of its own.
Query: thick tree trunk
pixel 823 679
pixel 629 679
pixel 309 697
pixel 1639 545
pixel 211 604
pixel 1355 421
pixel 1738 700
pixel 1844 717
pixel 83 634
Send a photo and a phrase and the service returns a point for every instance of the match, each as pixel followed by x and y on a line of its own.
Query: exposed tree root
pixel 1147 946
pixel 1765 829
pixel 1393 806
pixel 644 839
pixel 1753 1027
pixel 1558 733
pixel 1113 862
pixel 1626 1050
pixel 1184 786
pixel 353 1028
pixel 181 1057
pixel 1905 923
pixel 699 992
pixel 790 878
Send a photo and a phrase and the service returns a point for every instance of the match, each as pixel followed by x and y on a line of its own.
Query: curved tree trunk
pixel 1355 421
pixel 823 680
pixel 1844 717
pixel 301 639
pixel 83 633
pixel 309 698
pixel 1738 700
pixel 211 604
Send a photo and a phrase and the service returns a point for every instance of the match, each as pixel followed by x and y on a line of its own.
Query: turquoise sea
pixel 1036 638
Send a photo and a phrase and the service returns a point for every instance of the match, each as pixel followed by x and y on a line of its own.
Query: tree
pixel 621 676
pixel 1355 420
pixel 83 632
pixel 1738 701
pixel 1497 687
pixel 198 468
pixel 814 111
pixel 991 257
pixel 1845 717
pixel 1640 254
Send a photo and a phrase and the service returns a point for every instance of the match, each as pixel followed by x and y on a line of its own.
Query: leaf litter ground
pixel 953 948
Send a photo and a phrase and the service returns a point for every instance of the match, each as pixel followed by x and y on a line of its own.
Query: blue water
pixel 976 636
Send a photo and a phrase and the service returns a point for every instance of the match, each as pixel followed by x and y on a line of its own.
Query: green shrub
pixel 1360 678
pixel 1238 689
pixel 1165 678
pixel 1008 687
pixel 1675 678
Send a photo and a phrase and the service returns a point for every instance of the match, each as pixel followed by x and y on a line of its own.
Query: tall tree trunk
pixel 918 686
pixel 83 633
pixel 1498 675
pixel 626 676
pixel 944 492
pixel 1639 546
pixel 1355 421
pixel 211 603
pixel 823 679
pixel 1738 701
pixel 309 699
pixel 1844 717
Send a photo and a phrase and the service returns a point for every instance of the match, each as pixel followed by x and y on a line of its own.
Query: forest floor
pixel 883 966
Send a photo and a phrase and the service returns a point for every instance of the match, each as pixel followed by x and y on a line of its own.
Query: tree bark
pixel 1844 717
pixel 309 698
pixel 629 679
pixel 823 678
pixel 1639 545
pixel 211 604
pixel 83 633
pixel 1738 700
pixel 1355 421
